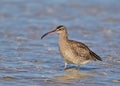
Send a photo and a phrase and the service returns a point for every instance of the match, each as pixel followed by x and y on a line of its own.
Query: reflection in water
pixel 72 74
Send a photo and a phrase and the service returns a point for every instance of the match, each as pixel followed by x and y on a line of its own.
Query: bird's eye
pixel 59 29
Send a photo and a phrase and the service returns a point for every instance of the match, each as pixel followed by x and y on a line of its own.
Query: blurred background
pixel 26 60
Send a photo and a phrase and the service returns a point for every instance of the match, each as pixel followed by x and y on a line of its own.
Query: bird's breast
pixel 67 53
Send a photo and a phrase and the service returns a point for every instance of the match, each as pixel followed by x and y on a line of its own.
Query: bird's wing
pixel 83 51
pixel 80 49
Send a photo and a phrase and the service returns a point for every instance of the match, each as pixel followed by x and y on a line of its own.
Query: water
pixel 26 60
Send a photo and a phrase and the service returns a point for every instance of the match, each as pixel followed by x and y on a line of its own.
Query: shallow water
pixel 26 60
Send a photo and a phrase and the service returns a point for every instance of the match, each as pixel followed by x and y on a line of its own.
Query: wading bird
pixel 73 52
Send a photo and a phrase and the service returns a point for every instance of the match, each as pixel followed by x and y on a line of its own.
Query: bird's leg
pixel 78 67
pixel 65 65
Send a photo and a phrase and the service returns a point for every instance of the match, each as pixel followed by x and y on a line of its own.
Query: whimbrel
pixel 73 52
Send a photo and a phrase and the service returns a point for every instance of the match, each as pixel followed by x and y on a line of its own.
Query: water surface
pixel 26 60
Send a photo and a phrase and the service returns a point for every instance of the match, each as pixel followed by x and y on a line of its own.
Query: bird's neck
pixel 63 37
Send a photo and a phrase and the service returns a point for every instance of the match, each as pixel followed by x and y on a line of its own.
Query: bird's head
pixel 60 29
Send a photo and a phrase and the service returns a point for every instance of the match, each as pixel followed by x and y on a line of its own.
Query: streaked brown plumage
pixel 73 52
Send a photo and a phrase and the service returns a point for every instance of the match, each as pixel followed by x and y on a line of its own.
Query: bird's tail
pixel 95 56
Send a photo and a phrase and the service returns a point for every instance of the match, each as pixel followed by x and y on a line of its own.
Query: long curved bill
pixel 47 33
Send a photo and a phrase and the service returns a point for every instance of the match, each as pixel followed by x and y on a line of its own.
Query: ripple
pixel 8 78
pixel 116 81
